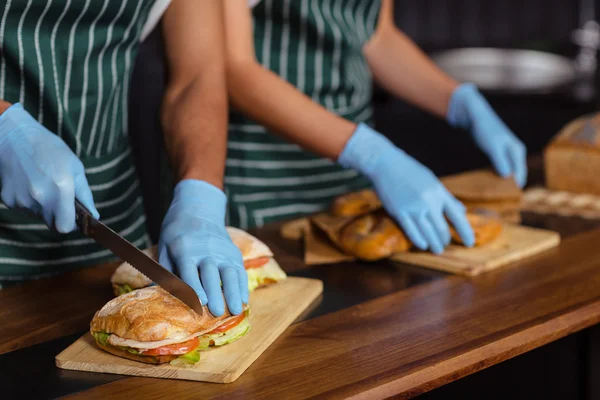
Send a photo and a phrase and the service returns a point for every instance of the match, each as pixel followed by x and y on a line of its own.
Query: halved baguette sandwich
pixel 150 325
pixel 258 259
pixel 259 263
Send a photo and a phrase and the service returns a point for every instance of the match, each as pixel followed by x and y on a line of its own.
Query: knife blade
pixel 108 238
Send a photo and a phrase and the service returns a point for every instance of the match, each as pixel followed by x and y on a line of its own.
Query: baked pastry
pixel 372 237
pixel 485 229
pixel 355 204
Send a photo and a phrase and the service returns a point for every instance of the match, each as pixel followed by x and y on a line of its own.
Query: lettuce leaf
pixel 101 337
pixel 258 276
pixel 193 357
pixel 221 338
pixel 124 288
pixel 129 349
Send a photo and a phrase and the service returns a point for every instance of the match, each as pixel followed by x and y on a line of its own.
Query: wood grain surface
pixel 272 310
pixel 50 308
pixel 403 344
pixel 513 244
pixel 414 340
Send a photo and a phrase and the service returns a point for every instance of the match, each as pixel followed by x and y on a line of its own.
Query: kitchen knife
pixel 108 238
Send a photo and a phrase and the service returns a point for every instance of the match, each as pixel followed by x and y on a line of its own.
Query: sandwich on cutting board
pixel 150 325
pixel 259 262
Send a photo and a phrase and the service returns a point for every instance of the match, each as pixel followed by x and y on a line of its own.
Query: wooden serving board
pixel 272 310
pixel 514 243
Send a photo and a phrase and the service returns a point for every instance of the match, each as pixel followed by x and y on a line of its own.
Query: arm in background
pixel 409 191
pixel 401 68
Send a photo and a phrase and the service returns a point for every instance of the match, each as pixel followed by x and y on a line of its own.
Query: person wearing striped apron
pixel 300 78
pixel 65 68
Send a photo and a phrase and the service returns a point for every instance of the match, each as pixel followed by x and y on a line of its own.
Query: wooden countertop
pixel 402 343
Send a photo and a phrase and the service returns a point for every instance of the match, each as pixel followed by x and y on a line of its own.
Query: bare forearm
pixel 194 121
pixel 194 110
pixel 4 105
pixel 401 68
pixel 272 102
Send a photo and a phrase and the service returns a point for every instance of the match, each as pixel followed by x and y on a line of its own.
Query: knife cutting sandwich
pixel 261 266
pixel 102 234
pixel 151 326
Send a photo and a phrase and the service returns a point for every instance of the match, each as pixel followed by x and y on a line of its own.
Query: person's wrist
pixel 203 196
pixel 463 97
pixel 365 149
pixel 11 119
pixel 215 180
pixel 4 105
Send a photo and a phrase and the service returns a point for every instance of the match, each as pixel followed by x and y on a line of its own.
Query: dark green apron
pixel 69 63
pixel 316 45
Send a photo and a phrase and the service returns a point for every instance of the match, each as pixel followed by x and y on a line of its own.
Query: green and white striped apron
pixel 69 63
pixel 316 45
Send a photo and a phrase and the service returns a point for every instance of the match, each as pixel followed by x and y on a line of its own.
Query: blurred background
pixel 533 60
pixel 549 27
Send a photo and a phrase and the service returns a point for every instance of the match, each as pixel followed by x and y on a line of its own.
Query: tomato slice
pixel 256 263
pixel 175 348
pixel 233 322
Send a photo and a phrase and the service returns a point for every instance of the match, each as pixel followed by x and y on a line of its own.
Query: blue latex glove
pixel 469 110
pixel 39 171
pixel 195 244
pixel 409 191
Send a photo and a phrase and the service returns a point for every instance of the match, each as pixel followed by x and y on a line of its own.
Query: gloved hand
pixel 409 191
pixel 40 172
pixel 195 244
pixel 469 110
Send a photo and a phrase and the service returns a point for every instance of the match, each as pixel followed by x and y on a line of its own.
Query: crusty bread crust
pixel 482 186
pixel 115 289
pixel 355 203
pixel 249 246
pixel 136 357
pixel 485 229
pixel 151 314
pixel 125 273
pixel 373 237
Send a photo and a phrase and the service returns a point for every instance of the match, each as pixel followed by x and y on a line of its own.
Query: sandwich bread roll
pixel 150 325
pixel 259 263
pixel 258 259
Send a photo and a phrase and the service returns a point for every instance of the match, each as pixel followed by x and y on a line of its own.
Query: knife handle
pixel 83 218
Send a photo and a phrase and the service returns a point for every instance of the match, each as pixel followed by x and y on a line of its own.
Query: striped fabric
pixel 69 63
pixel 315 45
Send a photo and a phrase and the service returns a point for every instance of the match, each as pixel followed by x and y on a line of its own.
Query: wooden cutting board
pixel 514 243
pixel 272 310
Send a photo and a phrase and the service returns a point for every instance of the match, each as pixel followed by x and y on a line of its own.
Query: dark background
pixel 564 369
